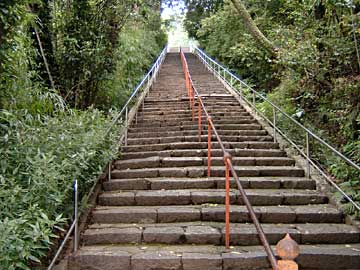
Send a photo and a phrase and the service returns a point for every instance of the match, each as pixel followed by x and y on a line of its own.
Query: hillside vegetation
pixel 313 73
pixel 66 68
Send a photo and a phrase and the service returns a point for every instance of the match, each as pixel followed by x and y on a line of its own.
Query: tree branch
pixel 42 52
pixel 255 32
pixel 44 58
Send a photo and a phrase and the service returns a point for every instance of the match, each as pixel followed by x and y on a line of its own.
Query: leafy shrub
pixel 41 157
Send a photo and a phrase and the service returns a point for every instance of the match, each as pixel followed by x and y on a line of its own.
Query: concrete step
pixel 195 127
pixel 206 183
pixel 185 114
pixel 157 162
pixel 159 140
pixel 209 257
pixel 185 107
pixel 190 119
pixel 165 123
pixel 204 196
pixel 201 171
pixel 197 145
pixel 203 153
pixel 164 134
pixel 323 213
pixel 214 233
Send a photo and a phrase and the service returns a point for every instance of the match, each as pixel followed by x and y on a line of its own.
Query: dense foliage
pixel 315 74
pixel 63 66
pixel 41 157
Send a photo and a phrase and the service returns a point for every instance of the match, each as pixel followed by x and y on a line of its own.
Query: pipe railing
pixel 144 85
pixel 229 168
pixel 231 79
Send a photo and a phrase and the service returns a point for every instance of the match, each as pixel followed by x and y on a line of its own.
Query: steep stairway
pixel 161 211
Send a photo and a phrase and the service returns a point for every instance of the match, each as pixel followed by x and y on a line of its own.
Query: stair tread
pixel 159 161
pixel 323 213
pixel 174 183
pixel 181 256
pixel 191 145
pixel 212 232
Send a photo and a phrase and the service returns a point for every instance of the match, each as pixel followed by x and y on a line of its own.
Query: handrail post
pixel 126 127
pixel 274 123
pixel 227 160
pixel 254 100
pixel 307 154
pixel 209 147
pixel 109 170
pixel 199 118
pixel 231 81
pixel 192 101
pixel 76 234
pixel 188 88
pixel 155 71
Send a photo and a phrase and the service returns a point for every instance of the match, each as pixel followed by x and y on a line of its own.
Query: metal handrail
pixel 220 70
pixel 229 166
pixel 149 78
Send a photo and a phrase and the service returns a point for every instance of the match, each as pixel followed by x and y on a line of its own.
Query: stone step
pixel 207 257
pixel 165 89
pixel 197 145
pixel 157 162
pixel 147 117
pixel 205 196
pixel 164 134
pixel 195 127
pixel 184 102
pixel 185 106
pixel 214 233
pixel 185 114
pixel 203 138
pixel 206 183
pixel 189 119
pixel 324 213
pixel 203 153
pixel 186 109
pixel 201 171
pixel 191 123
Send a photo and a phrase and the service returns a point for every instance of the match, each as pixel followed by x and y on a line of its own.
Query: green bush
pixel 41 157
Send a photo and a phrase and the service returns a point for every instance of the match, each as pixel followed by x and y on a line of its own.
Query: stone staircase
pixel 161 211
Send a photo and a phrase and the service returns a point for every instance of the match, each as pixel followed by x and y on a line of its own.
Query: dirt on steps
pixel 161 211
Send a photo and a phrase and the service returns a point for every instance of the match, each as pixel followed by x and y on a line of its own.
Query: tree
pixel 255 32
pixel 197 10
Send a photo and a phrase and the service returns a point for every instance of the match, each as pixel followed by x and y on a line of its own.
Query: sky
pixel 177 35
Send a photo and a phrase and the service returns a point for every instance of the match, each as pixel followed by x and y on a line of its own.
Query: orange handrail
pixel 229 168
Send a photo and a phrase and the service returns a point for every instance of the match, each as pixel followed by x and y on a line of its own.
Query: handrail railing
pixel 192 91
pixel 145 83
pixel 221 72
